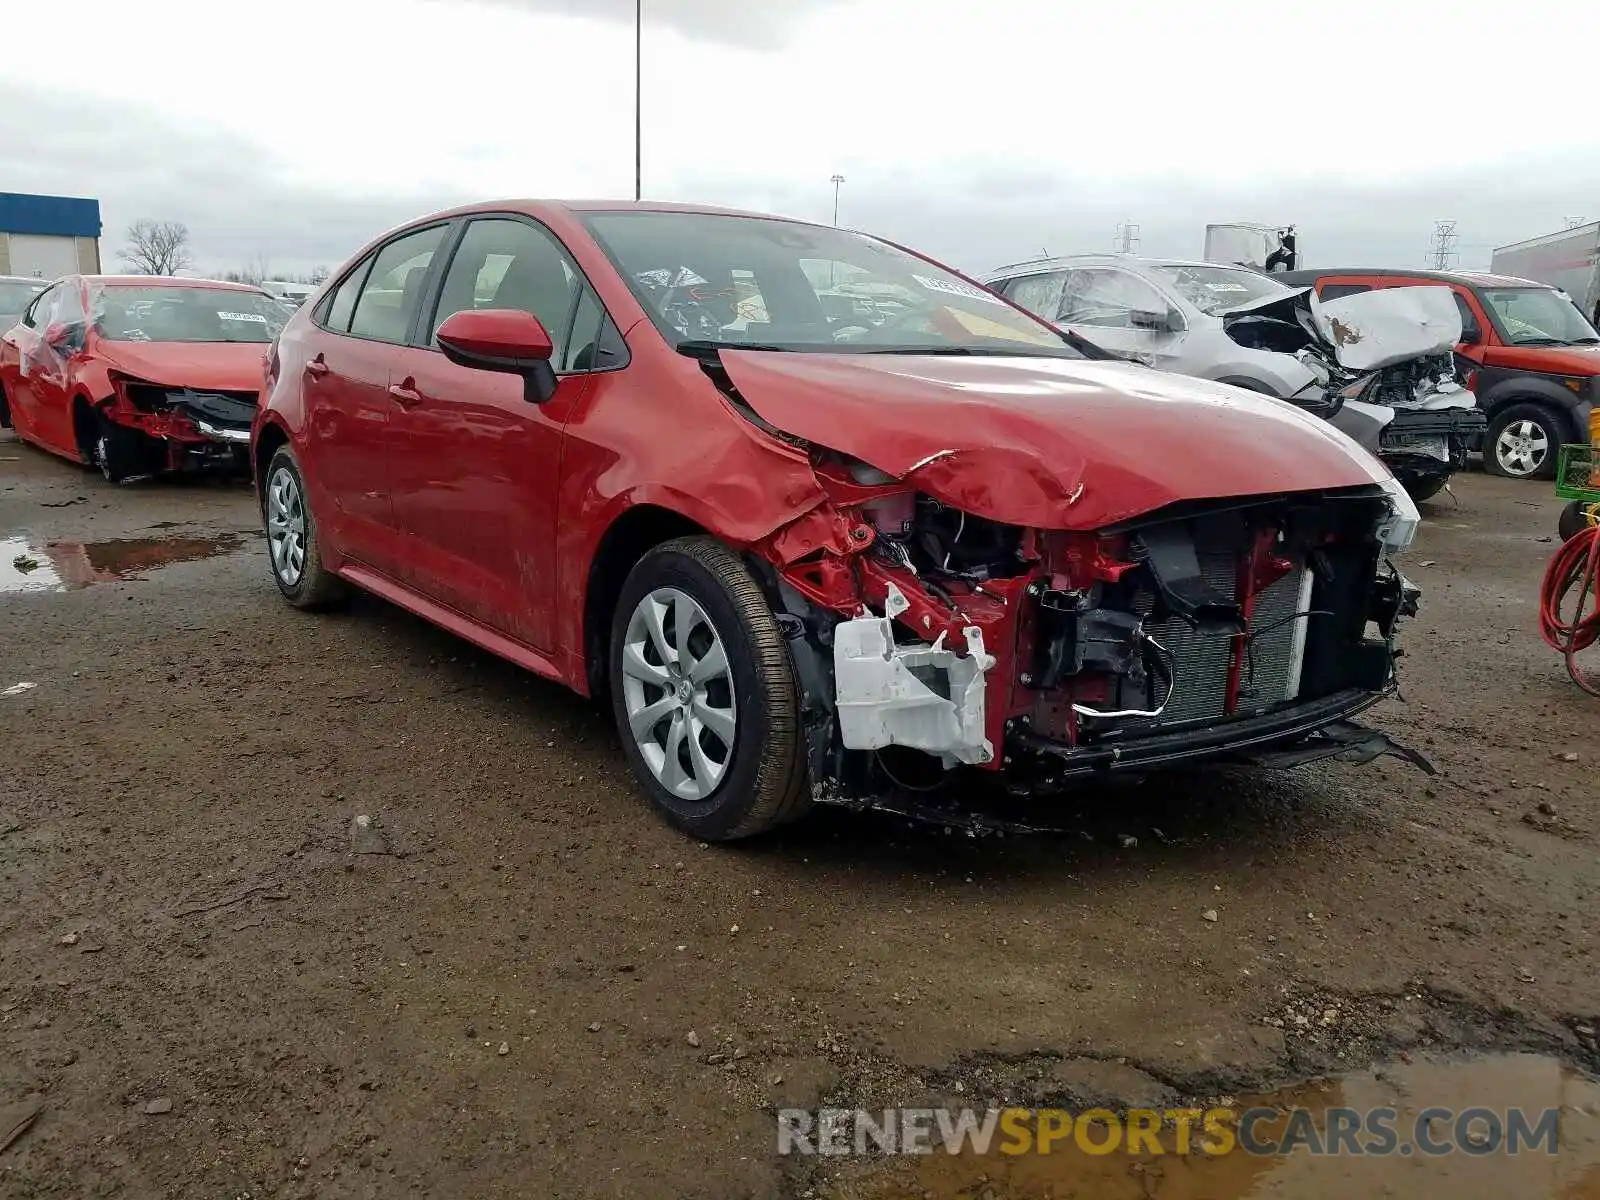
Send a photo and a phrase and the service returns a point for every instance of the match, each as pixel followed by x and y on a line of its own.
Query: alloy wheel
pixel 286 526
pixel 1522 447
pixel 678 693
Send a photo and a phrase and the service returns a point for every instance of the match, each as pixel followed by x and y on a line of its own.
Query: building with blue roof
pixel 49 236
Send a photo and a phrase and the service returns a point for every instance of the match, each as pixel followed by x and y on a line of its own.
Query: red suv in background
pixel 1536 358
pixel 810 548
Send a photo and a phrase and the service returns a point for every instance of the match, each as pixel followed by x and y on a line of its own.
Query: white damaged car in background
pixel 1380 368
pixel 1386 370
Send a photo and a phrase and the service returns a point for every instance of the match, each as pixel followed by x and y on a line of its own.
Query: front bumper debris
pixel 1289 737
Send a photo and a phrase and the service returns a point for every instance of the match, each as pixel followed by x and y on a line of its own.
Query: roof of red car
pixel 585 206
pixel 159 281
pixel 1472 278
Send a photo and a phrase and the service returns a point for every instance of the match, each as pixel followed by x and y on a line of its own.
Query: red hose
pixel 1575 565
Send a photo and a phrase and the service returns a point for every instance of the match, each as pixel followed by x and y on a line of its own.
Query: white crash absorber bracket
pixel 921 696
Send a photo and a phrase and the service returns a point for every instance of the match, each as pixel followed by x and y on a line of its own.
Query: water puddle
pixel 1421 1129
pixel 60 566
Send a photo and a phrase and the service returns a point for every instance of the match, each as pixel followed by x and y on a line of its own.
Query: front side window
pixel 713 280
pixel 1469 319
pixel 503 263
pixel 38 314
pixel 392 292
pixel 1107 299
pixel 1538 317
pixel 138 313
pixel 1214 290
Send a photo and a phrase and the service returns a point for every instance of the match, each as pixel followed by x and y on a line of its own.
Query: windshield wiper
pixel 700 348
pixel 1539 341
pixel 1585 341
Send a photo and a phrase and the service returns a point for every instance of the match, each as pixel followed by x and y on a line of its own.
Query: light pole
pixel 837 180
pixel 638 99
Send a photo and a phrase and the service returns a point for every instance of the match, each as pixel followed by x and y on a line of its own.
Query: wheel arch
pixel 635 531
pixel 1524 389
pixel 84 431
pixel 268 439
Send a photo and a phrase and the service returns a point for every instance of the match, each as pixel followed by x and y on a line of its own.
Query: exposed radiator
pixel 1271 670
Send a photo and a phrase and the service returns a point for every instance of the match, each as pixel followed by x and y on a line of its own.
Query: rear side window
pixel 343 301
pixel 1335 291
pixel 392 292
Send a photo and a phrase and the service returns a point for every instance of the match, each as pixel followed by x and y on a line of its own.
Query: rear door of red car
pixel 361 329
pixel 473 462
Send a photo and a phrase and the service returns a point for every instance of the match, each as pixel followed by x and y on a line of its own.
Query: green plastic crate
pixel 1577 474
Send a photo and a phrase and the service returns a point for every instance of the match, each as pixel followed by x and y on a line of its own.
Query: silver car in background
pixel 1165 312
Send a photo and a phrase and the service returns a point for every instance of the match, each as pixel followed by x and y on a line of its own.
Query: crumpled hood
pixel 1048 442
pixel 204 366
pixel 1363 332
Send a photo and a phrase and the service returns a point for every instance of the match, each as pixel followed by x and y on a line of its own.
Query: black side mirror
pixel 1471 335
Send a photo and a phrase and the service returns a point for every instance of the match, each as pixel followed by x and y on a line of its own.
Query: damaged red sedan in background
pixel 820 517
pixel 139 374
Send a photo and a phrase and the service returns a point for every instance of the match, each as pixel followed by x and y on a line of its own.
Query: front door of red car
pixel 474 463
pixel 346 387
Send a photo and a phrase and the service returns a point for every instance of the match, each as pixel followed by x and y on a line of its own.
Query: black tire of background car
pixel 1554 431
pixel 1422 487
pixel 766 784
pixel 5 410
pixel 1574 519
pixel 318 587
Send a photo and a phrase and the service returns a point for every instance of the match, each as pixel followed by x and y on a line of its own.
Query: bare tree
pixel 157 247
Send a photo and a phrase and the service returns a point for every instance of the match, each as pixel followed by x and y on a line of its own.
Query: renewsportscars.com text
pixel 1155 1131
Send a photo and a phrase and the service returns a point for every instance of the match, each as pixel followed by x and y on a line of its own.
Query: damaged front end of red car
pixel 151 428
pixel 930 639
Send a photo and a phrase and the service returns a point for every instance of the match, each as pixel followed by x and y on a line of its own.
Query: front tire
pixel 1422 487
pixel 704 695
pixel 1521 442
pixel 293 545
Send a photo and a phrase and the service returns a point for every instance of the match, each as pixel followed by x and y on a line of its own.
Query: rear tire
pixel 704 695
pixel 1521 442
pixel 294 549
pixel 5 410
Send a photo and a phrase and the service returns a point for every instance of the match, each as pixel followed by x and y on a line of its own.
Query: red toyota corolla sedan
pixel 820 517
pixel 139 374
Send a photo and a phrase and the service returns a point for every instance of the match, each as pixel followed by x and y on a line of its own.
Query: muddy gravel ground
pixel 537 988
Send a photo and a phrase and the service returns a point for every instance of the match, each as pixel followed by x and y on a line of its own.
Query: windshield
pixel 1215 289
pixel 129 313
pixel 722 280
pixel 15 294
pixel 1538 317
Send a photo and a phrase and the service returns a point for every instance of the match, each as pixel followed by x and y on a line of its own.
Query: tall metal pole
pixel 638 99
pixel 837 180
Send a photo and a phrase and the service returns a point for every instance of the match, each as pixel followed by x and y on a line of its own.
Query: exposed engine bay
pixel 928 639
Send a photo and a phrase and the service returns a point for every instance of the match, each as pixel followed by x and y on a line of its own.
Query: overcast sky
pixel 979 132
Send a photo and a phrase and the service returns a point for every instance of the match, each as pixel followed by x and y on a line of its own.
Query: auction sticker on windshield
pixel 952 288
pixel 233 316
